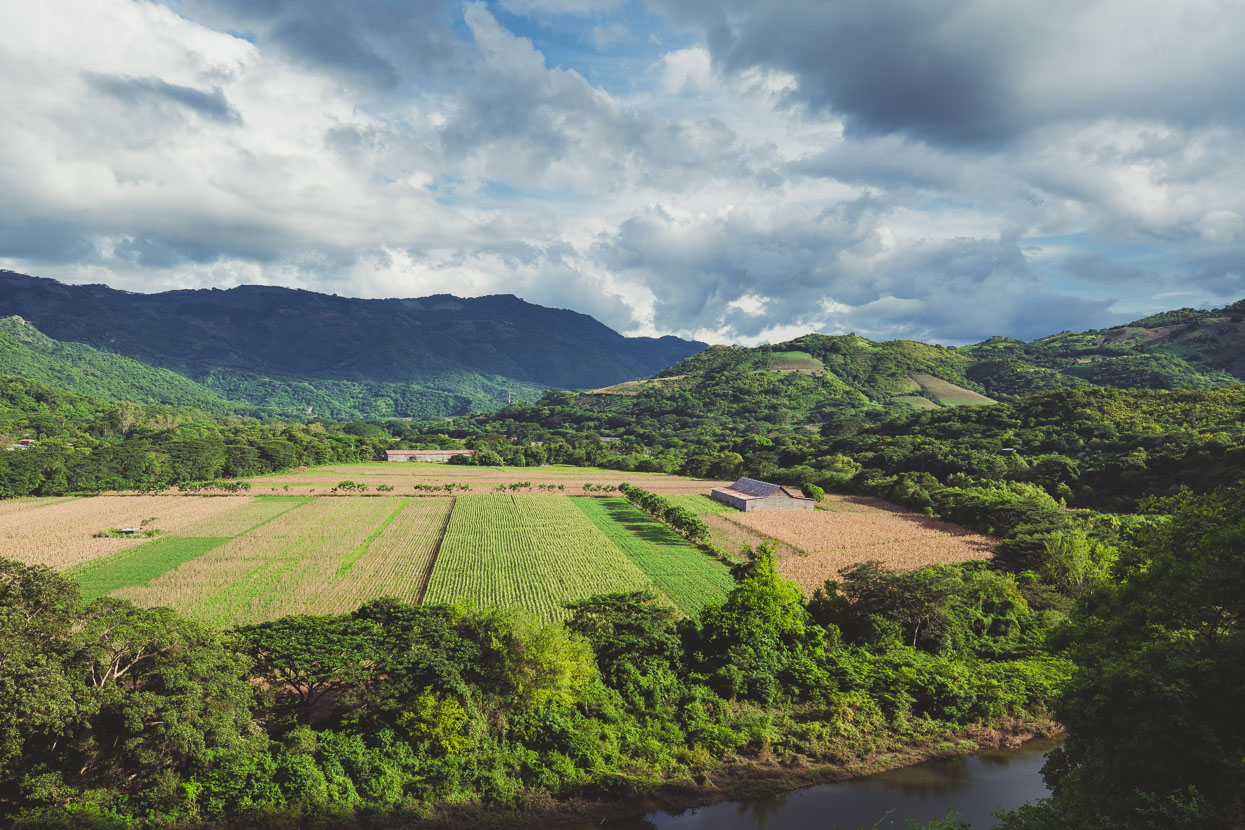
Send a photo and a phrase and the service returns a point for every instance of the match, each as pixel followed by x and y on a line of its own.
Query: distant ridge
pixel 300 352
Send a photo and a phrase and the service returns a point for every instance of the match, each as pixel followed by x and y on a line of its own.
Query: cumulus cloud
pixel 942 171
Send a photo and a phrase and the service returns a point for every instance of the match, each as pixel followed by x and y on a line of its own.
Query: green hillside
pixel 1183 349
pixel 301 353
pixel 28 353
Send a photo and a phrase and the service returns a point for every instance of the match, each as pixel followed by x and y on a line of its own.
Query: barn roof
pixel 752 487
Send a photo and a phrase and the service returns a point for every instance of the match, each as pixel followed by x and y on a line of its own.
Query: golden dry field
pixel 403 475
pixel 815 545
pixel 58 532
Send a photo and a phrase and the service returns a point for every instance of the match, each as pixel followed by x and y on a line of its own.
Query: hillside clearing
pixel 948 394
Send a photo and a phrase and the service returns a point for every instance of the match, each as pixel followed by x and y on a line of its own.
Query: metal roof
pixel 752 487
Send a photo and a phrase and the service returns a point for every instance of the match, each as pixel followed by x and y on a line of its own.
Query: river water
pixel 973 786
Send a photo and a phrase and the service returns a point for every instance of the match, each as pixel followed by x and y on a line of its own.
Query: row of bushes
pixel 683 521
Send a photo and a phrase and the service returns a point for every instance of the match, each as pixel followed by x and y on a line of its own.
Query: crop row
pixel 690 577
pixel 533 551
pixel 282 566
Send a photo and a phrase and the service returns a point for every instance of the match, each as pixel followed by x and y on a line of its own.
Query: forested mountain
pixel 27 353
pixel 300 353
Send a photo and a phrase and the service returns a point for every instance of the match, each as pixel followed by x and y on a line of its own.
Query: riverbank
pixel 735 780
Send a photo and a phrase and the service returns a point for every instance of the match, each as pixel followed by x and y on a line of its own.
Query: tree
pixel 311 657
pixel 761 640
pixel 1155 733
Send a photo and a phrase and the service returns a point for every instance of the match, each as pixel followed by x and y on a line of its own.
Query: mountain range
pixel 267 351
pixel 296 353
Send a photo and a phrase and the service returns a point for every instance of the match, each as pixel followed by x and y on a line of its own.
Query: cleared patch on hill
pixel 801 362
pixel 914 401
pixel 948 394
pixel 632 387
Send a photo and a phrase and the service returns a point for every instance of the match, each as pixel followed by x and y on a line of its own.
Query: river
pixel 973 786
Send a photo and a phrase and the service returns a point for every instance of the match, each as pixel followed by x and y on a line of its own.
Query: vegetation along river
pixel 974 787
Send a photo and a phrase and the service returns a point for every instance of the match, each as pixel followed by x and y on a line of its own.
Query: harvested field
pixel 280 567
pixel 857 530
pixel 59 535
pixel 394 563
pixel 948 394
pixel 18 505
pixel 536 552
pixel 731 536
pixel 403 475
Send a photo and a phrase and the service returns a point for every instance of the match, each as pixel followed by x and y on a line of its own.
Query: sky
pixel 737 172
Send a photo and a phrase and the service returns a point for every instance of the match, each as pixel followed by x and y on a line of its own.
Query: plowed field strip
pixel 686 574
pixel 344 567
pixel 435 552
pixel 139 565
pixel 61 535
pixel 397 562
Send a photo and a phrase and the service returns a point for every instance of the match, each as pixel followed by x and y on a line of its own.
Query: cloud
pixel 156 92
pixel 1095 268
pixel 977 74
pixel 942 171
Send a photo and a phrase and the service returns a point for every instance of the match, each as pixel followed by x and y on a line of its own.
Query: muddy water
pixel 974 787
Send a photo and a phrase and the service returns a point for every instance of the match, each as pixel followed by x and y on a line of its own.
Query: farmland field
pixel 534 551
pixel 687 575
pixel 286 565
pixel 700 505
pixel 59 532
pixel 948 394
pixel 817 544
pixel 404 475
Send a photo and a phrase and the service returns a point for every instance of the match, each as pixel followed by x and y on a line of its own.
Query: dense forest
pixel 79 444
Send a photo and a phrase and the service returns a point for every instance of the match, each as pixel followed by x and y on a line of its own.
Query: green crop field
pixel 273 555
pixel 683 572
pixel 700 505
pixel 538 552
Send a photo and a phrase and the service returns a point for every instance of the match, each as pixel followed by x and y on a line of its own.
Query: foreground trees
pixel 1154 709
pixel 123 716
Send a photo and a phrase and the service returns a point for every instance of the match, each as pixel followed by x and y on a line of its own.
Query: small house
pixel 436 456
pixel 748 494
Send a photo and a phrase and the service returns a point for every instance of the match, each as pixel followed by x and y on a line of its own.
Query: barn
pixel 748 494
pixel 424 455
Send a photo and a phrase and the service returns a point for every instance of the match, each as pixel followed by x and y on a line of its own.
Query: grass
pixel 683 572
pixel 137 566
pixel 536 552
pixel 915 401
pixel 700 505
pixel 802 362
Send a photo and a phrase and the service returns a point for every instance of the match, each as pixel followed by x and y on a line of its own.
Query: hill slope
pixel 344 357
pixel 28 353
